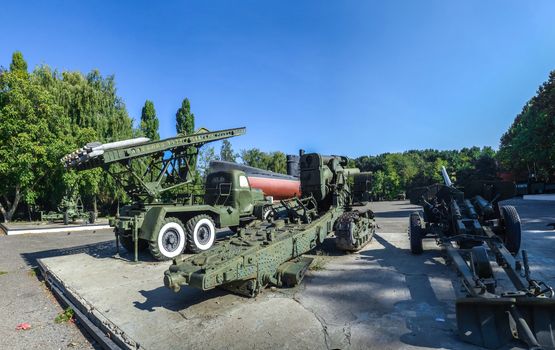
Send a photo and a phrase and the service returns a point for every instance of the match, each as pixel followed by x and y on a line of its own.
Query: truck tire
pixel 415 234
pixel 169 241
pixel 201 233
pixel 513 231
pixel 267 213
pixel 127 243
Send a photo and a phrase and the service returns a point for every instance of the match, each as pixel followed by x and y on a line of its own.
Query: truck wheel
pixel 512 228
pixel 169 242
pixel 267 213
pixel 127 243
pixel 201 233
pixel 415 234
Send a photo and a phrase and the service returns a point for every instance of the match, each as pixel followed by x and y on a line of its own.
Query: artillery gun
pixel 148 170
pixel 70 209
pixel 270 252
pixel 473 232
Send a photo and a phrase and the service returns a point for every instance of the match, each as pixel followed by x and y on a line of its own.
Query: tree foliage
pixel 149 121
pixel 226 152
pixel 184 119
pixel 395 173
pixel 45 115
pixel 528 146
pixel 18 63
pixel 273 161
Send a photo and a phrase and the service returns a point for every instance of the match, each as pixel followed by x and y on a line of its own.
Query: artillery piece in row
pixel 473 232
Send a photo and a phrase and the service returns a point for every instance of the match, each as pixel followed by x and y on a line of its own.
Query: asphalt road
pixel 24 297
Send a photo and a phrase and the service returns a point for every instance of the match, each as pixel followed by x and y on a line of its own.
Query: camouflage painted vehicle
pixel 270 252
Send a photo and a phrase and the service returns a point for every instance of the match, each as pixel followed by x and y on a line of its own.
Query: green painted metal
pixel 146 169
pixel 270 252
pixel 70 209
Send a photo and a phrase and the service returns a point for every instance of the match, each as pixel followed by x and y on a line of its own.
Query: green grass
pixel 65 316
pixel 34 272
pixel 3 273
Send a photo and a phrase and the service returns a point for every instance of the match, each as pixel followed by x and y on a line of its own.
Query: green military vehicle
pixel 149 169
pixel 167 230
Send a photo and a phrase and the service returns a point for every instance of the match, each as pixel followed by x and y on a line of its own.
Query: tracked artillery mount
pixel 473 232
pixel 147 169
pixel 271 252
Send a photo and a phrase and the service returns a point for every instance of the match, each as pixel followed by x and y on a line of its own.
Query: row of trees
pixel 45 114
pixel 528 147
pixel 395 173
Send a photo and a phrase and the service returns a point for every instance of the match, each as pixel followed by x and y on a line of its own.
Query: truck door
pixel 243 195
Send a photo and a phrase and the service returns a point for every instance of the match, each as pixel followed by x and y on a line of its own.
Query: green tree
pixel 149 121
pixel 33 137
pixel 205 156
pixel 528 146
pixel 18 63
pixel 226 152
pixel 184 119
pixel 277 162
pixel 255 158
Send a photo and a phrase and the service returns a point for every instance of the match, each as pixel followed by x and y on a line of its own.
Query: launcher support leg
pixel 524 332
pixel 136 239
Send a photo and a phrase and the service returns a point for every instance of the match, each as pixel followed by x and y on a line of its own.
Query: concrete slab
pixel 380 298
pixel 20 228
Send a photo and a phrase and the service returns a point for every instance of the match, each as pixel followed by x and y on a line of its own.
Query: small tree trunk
pixel 95 209
pixel 12 206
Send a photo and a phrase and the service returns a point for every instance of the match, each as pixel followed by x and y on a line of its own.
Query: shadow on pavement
pixel 98 250
pixel 429 319
pixel 167 299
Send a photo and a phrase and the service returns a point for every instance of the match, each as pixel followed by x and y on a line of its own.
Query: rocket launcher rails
pixel 169 163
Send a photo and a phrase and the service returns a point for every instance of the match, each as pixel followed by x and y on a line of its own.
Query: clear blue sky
pixel 342 77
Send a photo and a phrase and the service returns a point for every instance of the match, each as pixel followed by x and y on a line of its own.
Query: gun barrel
pixel 446 178
pixel 351 171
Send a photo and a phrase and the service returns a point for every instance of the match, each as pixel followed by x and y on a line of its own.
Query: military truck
pixel 147 170
pixel 167 230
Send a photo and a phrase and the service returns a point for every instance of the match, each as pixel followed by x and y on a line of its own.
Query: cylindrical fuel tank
pixel 276 187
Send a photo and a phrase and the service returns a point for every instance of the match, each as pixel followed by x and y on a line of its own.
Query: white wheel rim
pixel 171 226
pixel 207 223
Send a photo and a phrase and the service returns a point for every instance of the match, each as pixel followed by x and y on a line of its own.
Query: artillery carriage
pixel 474 233
pixel 270 252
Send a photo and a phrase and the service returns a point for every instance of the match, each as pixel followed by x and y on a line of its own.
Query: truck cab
pixel 231 188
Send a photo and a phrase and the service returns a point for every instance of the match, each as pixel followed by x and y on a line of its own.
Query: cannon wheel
pixel 415 234
pixel 512 228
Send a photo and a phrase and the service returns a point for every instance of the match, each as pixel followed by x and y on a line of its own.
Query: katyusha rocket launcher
pixel 271 252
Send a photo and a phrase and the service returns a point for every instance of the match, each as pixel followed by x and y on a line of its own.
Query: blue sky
pixel 341 77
